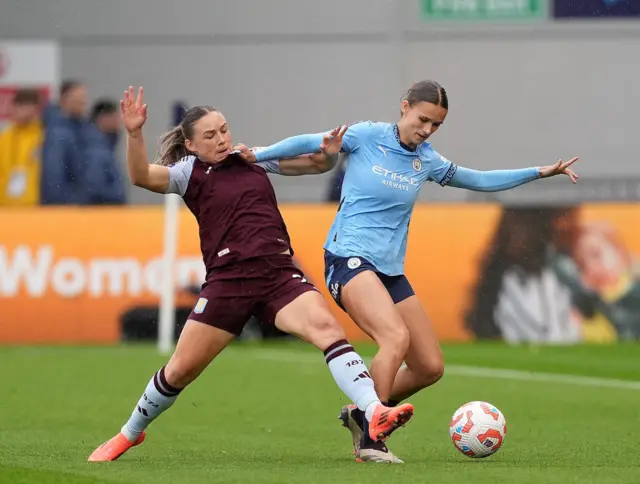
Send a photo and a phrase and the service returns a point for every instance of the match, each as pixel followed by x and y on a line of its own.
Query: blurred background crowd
pixel 65 152
pixel 62 152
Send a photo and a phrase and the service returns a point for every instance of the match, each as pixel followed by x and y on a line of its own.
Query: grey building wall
pixel 520 94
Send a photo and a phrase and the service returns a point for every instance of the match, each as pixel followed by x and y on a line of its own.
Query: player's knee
pixel 179 372
pixel 429 370
pixel 394 338
pixel 324 329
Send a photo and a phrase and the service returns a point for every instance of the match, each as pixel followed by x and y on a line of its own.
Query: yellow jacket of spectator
pixel 20 148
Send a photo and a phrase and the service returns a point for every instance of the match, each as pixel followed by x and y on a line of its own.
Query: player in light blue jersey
pixel 387 165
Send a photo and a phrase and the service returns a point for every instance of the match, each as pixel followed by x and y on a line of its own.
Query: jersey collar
pixel 396 132
pixel 229 161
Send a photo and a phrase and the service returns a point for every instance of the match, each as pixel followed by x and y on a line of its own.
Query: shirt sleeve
pixel 291 147
pixel 310 143
pixel 441 170
pixel 445 173
pixel 494 180
pixel 179 175
pixel 270 166
pixel 356 135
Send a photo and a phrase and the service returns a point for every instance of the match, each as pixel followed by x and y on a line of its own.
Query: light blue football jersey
pixel 380 188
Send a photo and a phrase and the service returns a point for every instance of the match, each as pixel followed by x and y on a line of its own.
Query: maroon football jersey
pixel 236 208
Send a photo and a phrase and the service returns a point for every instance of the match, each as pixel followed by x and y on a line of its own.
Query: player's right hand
pixel 332 141
pixel 133 110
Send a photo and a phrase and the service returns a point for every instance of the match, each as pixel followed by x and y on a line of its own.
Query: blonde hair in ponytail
pixel 172 143
pixel 172 147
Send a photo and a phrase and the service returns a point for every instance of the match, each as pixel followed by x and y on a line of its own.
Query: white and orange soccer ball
pixel 478 429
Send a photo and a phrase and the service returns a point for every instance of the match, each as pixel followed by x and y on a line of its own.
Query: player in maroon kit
pixel 248 258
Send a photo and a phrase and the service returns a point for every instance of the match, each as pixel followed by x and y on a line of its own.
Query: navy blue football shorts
pixel 338 271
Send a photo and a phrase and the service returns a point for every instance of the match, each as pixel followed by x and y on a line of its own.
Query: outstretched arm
pixel 296 146
pixel 134 114
pixel 291 147
pixel 306 164
pixel 498 180
pixel 494 180
pixel 311 164
pixel 154 178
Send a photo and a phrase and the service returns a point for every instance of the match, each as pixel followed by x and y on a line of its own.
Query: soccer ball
pixel 478 429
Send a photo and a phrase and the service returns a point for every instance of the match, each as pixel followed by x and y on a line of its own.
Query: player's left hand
pixel 560 168
pixel 332 141
pixel 245 153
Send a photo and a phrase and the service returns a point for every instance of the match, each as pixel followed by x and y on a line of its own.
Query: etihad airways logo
pixel 395 180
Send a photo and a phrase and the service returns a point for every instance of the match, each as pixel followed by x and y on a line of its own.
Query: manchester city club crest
pixel 417 164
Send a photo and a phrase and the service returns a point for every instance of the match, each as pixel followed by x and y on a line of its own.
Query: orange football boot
pixel 113 448
pixel 387 419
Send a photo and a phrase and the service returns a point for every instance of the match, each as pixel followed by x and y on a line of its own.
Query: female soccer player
pixel 364 253
pixel 248 258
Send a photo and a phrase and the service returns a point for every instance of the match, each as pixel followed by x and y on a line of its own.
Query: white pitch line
pixel 586 381
pixel 475 371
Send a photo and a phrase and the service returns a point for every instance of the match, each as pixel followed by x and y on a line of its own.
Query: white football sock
pixel 368 413
pixel 157 397
pixel 351 374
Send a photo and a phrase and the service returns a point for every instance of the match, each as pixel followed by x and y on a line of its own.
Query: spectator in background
pixel 20 145
pixel 105 184
pixel 64 150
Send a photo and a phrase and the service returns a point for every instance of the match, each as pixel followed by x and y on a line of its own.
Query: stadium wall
pixel 69 275
pixel 521 93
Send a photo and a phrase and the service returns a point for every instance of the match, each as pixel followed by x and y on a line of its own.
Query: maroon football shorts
pixel 255 287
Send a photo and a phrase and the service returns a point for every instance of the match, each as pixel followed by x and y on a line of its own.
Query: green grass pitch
pixel 268 414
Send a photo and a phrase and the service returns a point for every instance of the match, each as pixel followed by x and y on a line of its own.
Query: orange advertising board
pixel 68 275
